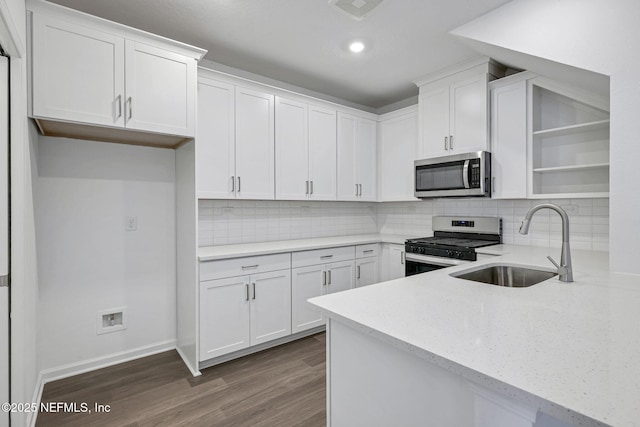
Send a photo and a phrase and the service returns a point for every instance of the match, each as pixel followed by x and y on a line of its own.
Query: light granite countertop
pixel 209 253
pixel 570 349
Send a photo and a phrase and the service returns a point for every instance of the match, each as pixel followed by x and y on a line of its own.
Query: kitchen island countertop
pixel 573 349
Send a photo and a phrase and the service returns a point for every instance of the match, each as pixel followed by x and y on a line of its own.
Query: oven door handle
pixel 427 259
pixel 465 174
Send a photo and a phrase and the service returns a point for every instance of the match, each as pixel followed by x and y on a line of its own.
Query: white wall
pixel 87 262
pixel 597 35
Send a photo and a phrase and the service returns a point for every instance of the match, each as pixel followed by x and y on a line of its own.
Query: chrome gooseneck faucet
pixel 565 270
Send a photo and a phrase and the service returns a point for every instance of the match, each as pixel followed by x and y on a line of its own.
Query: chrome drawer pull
pixel 247 267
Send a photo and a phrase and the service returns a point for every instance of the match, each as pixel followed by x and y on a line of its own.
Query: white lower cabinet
pixel 309 281
pixel 367 271
pixel 393 260
pixel 367 264
pixel 239 312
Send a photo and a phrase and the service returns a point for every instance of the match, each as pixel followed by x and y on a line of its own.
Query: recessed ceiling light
pixel 356 47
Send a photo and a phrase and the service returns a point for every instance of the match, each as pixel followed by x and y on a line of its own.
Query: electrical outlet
pixel 131 223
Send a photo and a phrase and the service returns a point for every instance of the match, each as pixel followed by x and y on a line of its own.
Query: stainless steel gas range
pixel 454 242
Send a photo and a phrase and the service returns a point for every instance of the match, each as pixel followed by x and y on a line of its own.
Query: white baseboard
pixel 185 360
pixel 37 397
pixel 71 369
pixel 64 371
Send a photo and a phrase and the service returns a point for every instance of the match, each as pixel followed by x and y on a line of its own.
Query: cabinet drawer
pixel 322 256
pixel 367 250
pixel 239 266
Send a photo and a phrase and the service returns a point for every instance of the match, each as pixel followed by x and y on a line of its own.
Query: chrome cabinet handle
pixel 358 272
pixel 450 142
pixel 324 278
pixel 130 108
pixel 402 257
pixel 329 277
pixel 233 184
pixel 246 286
pixel 311 191
pixel 119 98
pixel 248 267
pixel 307 187
pixel 360 189
pixel 446 142
pixel 356 190
pixel 254 290
pixel 326 256
pixel 367 251
pixel 238 184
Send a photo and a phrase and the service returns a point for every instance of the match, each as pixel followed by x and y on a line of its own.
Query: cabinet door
pixel 160 89
pixel 340 276
pixel 396 260
pixel 509 141
pixel 78 73
pixel 322 153
pixel 255 174
pixel 468 112
pixel 224 316
pixel 346 173
pixel 270 306
pixel 398 147
pixel 292 150
pixel 365 163
pixel 215 140
pixel 306 282
pixel 367 271
pixel 434 122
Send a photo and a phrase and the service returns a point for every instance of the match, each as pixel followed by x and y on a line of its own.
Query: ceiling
pixel 304 42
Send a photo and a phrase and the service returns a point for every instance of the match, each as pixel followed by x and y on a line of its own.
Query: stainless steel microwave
pixel 459 175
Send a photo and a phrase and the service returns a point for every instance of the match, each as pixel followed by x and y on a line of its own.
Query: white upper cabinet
pixel 215 140
pixel 95 79
pixel 255 175
pixel 160 90
pixel 509 137
pixel 91 60
pixel 292 150
pixel 234 142
pixel 305 151
pixel 397 150
pixel 453 109
pixel 356 158
pixel 365 158
pixel 322 153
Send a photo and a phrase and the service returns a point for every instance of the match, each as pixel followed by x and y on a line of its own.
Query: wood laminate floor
pixel 282 386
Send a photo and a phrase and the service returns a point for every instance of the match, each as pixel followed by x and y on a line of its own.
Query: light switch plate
pixel 131 223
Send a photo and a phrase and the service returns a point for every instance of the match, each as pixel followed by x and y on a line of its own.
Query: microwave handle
pixel 465 174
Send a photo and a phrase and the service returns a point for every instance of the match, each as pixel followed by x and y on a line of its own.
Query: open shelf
pixel 569 146
pixel 571 129
pixel 572 168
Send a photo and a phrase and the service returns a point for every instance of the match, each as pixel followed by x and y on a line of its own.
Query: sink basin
pixel 512 276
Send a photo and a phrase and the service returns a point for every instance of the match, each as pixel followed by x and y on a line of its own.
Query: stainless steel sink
pixel 508 275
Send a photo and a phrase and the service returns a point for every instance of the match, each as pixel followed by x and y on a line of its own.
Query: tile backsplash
pixel 232 221
pixel 224 222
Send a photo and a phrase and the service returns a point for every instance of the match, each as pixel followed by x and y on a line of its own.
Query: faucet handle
pixel 561 269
